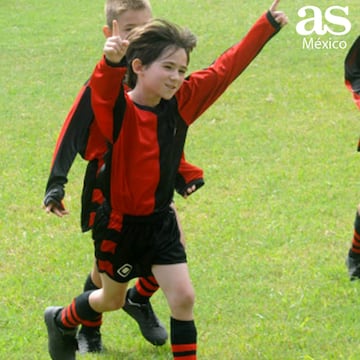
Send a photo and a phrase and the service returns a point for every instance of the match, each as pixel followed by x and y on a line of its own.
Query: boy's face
pixel 163 77
pixel 129 20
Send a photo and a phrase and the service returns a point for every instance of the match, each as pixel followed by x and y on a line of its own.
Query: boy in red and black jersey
pixel 135 231
pixel 80 135
pixel 352 82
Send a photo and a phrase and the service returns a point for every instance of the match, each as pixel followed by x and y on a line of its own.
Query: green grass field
pixel 268 234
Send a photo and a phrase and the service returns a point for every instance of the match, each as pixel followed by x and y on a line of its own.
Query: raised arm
pixel 279 16
pixel 352 71
pixel 106 85
pixel 204 87
pixel 115 47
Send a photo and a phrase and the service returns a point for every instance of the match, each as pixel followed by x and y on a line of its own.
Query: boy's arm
pixel 106 85
pixel 107 98
pixel 189 178
pixel 352 71
pixel 205 86
pixel 71 141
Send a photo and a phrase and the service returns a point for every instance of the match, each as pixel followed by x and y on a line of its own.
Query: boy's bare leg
pixel 137 305
pixel 175 282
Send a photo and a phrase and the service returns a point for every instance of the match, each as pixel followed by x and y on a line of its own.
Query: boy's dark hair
pixel 148 42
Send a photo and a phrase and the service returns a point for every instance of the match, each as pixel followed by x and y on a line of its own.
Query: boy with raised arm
pixel 135 230
pixel 80 135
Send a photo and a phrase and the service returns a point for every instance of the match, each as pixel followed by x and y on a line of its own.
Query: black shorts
pixel 143 241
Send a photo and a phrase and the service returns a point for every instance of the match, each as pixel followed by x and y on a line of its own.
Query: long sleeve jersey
pixel 352 73
pixel 148 142
pixel 352 70
pixel 80 135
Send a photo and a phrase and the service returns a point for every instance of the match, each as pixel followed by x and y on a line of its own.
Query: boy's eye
pixel 128 29
pixel 171 67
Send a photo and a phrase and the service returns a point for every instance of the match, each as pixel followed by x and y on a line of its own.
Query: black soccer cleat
pixel 353 265
pixel 89 340
pixel 62 343
pixel 150 326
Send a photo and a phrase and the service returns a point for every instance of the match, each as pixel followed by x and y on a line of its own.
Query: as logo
pixel 331 22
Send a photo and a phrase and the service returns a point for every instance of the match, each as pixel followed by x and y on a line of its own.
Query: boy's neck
pixel 140 99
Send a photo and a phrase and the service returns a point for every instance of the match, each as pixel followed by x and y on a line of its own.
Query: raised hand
pixel 115 47
pixel 279 16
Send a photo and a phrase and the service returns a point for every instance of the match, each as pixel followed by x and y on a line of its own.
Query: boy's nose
pixel 175 75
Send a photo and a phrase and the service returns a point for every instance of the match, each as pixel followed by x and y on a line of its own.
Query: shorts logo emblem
pixel 124 270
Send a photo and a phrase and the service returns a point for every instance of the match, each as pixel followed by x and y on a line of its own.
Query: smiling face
pixel 161 79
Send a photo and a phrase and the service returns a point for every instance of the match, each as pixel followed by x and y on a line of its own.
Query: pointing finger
pixel 115 28
pixel 274 5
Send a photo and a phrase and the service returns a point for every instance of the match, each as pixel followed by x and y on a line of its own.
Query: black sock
pixel 183 338
pixel 144 288
pixel 89 284
pixel 135 297
pixel 79 312
pixel 354 251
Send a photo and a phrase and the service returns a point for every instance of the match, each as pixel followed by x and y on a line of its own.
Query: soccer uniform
pixel 80 135
pixel 352 73
pixel 352 82
pixel 136 228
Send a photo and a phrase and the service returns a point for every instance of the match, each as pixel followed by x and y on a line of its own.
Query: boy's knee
pixel 182 305
pixel 189 300
pixel 185 299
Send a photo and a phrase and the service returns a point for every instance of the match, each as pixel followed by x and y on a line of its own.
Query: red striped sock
pixel 184 352
pixel 355 245
pixel 183 339
pixel 79 312
pixel 143 290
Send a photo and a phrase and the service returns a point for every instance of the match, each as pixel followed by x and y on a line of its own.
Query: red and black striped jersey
pixel 148 142
pixel 80 135
pixel 352 73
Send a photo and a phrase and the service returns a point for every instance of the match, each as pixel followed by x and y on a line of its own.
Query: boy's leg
pixel 353 258
pixel 175 282
pixel 137 305
pixel 62 326
pixel 143 289
pixel 86 309
pixel 89 338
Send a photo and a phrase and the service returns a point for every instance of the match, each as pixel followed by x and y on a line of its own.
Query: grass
pixel 268 234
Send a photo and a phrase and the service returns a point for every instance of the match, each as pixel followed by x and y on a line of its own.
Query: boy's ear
pixel 107 31
pixel 137 66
